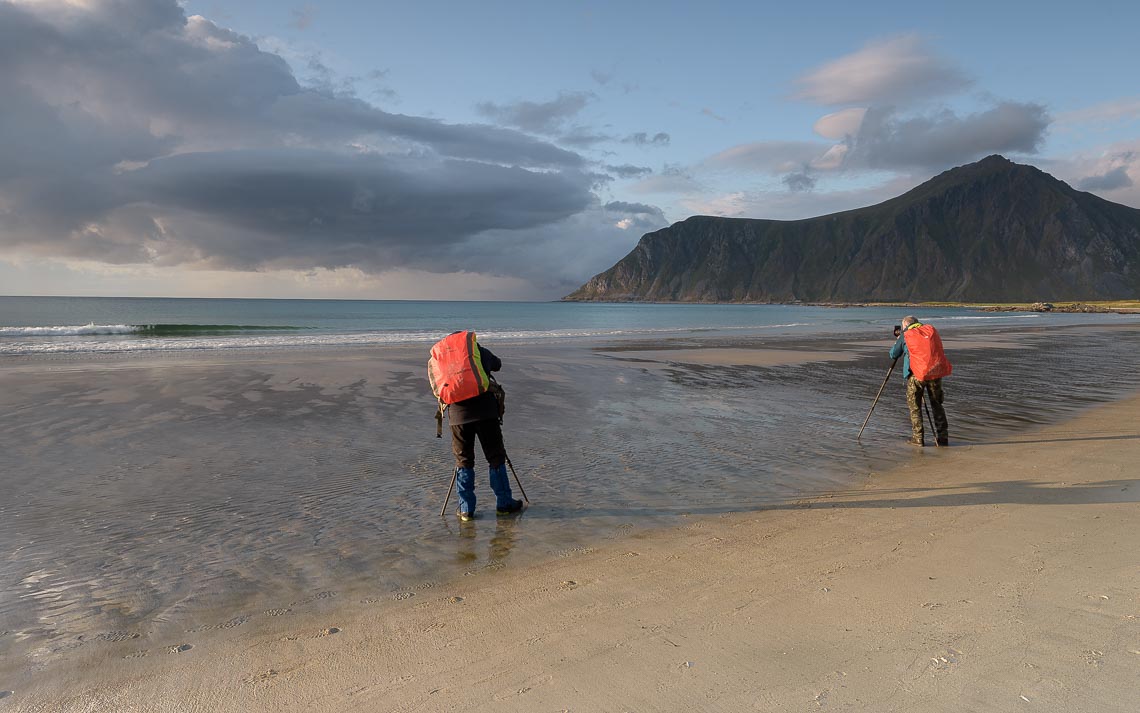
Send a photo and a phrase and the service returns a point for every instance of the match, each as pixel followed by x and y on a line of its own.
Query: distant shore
pixel 1060 306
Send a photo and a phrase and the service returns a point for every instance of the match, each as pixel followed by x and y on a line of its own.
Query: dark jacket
pixel 480 407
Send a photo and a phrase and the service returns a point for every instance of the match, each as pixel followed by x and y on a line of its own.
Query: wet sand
pixel 998 577
pixel 260 530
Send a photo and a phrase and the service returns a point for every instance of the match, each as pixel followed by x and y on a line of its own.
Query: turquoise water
pixel 38 325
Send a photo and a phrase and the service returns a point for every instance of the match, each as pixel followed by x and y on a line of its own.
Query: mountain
pixel 991 231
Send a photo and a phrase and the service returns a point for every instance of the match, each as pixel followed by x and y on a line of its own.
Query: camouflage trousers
pixel 915 390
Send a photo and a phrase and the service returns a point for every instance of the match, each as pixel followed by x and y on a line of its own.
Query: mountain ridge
pixel 993 230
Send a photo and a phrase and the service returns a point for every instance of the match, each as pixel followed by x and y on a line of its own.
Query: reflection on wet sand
pixel 145 498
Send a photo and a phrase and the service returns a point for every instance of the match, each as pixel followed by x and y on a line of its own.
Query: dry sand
pixel 998 577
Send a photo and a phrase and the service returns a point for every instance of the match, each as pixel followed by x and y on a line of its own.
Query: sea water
pixel 169 467
pixel 54 325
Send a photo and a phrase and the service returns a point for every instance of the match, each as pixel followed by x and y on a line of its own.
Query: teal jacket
pixel 899 350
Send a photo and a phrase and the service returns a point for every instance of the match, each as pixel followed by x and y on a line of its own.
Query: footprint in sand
pixel 401 596
pixel 277 612
pixel 320 634
pixel 179 648
pixel 228 624
pixel 454 600
pixel 263 677
pixel 136 654
pixel 315 597
pixel 114 637
pixel 568 584
pixel 5 694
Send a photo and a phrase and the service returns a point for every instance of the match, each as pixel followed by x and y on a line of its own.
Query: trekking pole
pixel 512 467
pixel 454 475
pixel 887 377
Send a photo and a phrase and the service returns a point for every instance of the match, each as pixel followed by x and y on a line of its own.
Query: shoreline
pixel 988 576
pixel 1058 306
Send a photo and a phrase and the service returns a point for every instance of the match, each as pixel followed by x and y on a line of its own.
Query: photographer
pixel 924 365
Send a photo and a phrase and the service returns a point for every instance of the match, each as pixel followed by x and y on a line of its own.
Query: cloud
pixel 635 209
pixel 1125 109
pixel 840 125
pixel 642 138
pixel 1108 181
pixel 799 182
pixel 629 171
pixel 583 137
pixel 713 115
pixel 671 179
pixel 538 117
pixel 768 156
pixel 1112 171
pixel 888 71
pixel 131 133
pixel 942 139
pixel 888 140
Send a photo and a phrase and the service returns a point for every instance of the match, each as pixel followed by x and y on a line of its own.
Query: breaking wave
pixel 145 330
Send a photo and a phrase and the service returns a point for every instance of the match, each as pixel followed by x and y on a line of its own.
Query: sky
pixel 508 150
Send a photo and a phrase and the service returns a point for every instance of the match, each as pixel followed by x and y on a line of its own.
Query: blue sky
pixel 508 150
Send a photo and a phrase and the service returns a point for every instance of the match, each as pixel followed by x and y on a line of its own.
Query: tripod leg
pixel 454 475
pixel 516 475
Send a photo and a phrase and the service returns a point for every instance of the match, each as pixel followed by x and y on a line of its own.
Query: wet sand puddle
pixel 146 507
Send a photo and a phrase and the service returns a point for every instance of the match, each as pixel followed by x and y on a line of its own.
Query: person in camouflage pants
pixel 914 395
pixel 915 391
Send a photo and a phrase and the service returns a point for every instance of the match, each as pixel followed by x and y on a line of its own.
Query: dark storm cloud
pixel 132 133
pixel 537 117
pixel 642 138
pixel 1108 181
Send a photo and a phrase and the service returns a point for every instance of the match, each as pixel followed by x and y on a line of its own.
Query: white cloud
pixel 1111 172
pixel 841 124
pixel 887 71
pixel 768 156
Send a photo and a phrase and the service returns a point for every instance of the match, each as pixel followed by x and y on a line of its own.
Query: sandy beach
pixel 256 533
pixel 1000 577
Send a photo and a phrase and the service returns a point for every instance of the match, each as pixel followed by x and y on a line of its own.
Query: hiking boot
pixel 465 516
pixel 917 442
pixel 943 442
pixel 512 508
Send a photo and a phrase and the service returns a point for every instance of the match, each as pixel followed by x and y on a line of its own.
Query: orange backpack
pixel 927 359
pixel 455 369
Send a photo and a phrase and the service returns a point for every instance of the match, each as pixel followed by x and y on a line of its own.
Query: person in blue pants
pixel 478 418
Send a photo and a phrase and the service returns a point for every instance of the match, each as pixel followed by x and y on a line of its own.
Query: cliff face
pixel 988 231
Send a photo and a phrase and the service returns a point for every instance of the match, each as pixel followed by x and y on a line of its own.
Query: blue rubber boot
pixel 465 489
pixel 505 504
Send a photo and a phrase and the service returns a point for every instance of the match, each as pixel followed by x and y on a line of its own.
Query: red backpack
pixel 927 358
pixel 455 369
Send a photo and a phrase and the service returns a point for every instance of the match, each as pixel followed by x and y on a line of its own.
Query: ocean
pixel 173 467
pixel 59 325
